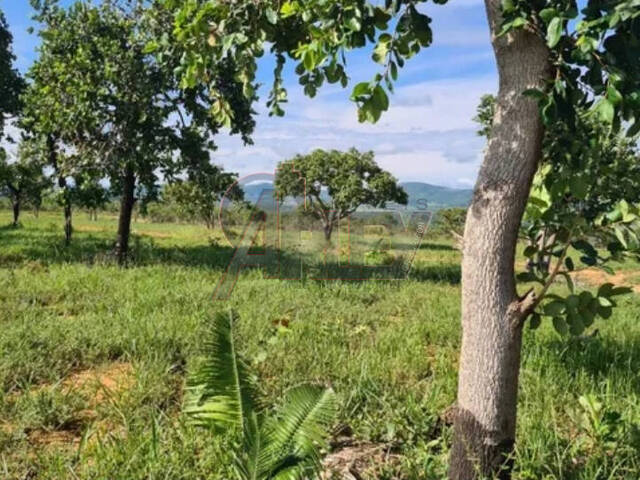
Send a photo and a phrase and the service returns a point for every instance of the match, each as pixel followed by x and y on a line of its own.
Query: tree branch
pixel 531 300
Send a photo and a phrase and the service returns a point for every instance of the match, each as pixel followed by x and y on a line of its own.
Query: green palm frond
pixel 220 394
pixel 247 461
pixel 298 431
pixel 285 446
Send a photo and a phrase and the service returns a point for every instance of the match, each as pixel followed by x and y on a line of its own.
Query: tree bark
pixel 16 211
pixel 328 230
pixel 126 208
pixel 68 225
pixel 485 420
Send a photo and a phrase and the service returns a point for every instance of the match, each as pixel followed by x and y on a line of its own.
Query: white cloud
pixel 430 166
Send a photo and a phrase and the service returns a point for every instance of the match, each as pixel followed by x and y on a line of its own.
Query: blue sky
pixel 427 135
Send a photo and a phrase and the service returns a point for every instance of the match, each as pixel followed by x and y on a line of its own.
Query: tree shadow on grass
pixel 601 357
pixel 46 245
pixel 437 247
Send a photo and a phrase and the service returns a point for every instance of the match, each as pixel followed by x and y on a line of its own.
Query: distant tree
pixel 200 199
pixel 11 83
pixel 485 113
pixel 336 183
pixel 90 194
pixel 451 221
pixel 98 92
pixel 23 182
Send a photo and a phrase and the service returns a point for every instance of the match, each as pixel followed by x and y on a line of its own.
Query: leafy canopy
pixel 582 212
pixel 336 183
pixel 594 50
pixel 201 198
pixel 11 83
pixel 99 92
pixel 22 179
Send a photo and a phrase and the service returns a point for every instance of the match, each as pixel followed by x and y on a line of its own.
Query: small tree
pixel 23 181
pixel 89 193
pixel 336 183
pixel 200 199
pixel 97 90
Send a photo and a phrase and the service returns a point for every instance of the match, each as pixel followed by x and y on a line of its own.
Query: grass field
pixel 93 358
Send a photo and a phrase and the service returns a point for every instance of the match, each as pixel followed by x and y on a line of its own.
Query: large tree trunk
pixel 126 208
pixel 485 420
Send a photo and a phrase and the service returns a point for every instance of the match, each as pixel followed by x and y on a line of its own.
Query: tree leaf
pixel 560 325
pixel 554 31
pixel 579 187
pixel 535 321
pixel 554 308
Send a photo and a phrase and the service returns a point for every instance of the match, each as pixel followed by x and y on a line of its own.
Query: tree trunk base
pixel 474 456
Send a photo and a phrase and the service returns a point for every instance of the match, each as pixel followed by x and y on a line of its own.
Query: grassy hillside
pixel 93 358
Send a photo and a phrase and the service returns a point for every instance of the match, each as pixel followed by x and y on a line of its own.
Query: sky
pixel 427 135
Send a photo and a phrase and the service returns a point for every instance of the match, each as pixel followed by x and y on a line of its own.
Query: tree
pixel 90 194
pixel 100 95
pixel 553 60
pixel 336 183
pixel 11 83
pixel 23 181
pixel 83 191
pixel 201 198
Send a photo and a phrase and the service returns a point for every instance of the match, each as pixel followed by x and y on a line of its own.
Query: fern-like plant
pixel 277 444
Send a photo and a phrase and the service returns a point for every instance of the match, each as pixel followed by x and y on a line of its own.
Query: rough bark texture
pixel 485 421
pixel 126 208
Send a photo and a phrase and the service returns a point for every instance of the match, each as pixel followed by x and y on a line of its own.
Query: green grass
pixel 388 348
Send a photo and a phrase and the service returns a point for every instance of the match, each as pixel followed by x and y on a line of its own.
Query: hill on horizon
pixel 436 196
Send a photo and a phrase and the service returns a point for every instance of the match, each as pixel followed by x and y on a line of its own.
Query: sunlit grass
pixel 388 347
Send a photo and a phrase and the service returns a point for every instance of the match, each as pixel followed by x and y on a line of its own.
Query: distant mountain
pixel 436 197
pixel 254 191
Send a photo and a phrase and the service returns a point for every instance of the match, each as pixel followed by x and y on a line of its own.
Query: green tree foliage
pixel 350 179
pixel 11 83
pixel 282 443
pixel 590 48
pixel 582 212
pixel 200 199
pixel 23 182
pixel 595 56
pixel 312 33
pixel 88 193
pixel 450 221
pixel 97 90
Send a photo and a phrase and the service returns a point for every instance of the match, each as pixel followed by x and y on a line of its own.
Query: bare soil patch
pixel 598 277
pixel 356 461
